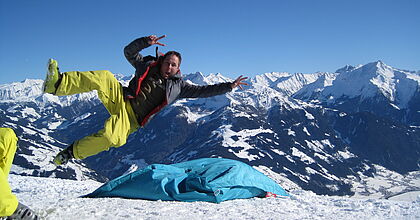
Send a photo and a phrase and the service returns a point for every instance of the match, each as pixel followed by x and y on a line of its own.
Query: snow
pixel 135 164
pixel 315 145
pixel 386 182
pixel 306 131
pixel 290 132
pixel 322 157
pixel 278 152
pixel 296 82
pixel 198 78
pixel 242 137
pixel 53 198
pixel 75 121
pixel 30 112
pixel 27 90
pixel 409 196
pixel 346 154
pixel 193 117
pixel 281 178
pixel 54 125
pixel 309 116
pixel 28 130
pixel 302 156
pixel 238 114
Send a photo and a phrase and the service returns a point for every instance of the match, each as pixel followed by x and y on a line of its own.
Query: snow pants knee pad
pixel 8 145
pixel 116 130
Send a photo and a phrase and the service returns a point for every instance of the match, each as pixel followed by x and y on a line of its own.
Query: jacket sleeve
pixel 131 51
pixel 194 91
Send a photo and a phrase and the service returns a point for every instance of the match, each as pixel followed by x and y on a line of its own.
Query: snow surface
pixel 54 198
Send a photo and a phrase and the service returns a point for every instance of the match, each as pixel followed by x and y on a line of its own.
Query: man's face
pixel 170 66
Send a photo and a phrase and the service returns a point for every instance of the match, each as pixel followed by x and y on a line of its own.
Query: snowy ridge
pixel 270 79
pixel 20 91
pixel 397 86
pixel 199 79
pixel 313 89
pixel 264 93
pixel 297 82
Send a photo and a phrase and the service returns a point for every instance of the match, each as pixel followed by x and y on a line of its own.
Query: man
pixel 156 84
pixel 10 208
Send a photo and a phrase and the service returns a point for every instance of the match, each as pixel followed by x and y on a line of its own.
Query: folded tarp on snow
pixel 207 179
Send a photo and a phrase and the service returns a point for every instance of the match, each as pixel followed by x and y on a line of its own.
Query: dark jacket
pixel 176 87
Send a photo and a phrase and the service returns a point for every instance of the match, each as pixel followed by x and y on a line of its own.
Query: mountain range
pixel 354 132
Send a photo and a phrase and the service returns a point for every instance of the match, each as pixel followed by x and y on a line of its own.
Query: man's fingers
pixel 154 40
pixel 163 36
pixel 238 82
pixel 241 78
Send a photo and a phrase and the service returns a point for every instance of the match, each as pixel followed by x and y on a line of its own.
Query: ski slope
pixel 54 198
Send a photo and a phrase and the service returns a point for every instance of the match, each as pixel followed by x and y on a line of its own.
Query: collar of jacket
pixel 178 75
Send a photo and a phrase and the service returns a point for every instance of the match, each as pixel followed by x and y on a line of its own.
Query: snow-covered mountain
pixel 332 133
pixel 374 87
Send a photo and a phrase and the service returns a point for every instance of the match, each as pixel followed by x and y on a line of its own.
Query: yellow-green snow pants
pixel 8 141
pixel 118 127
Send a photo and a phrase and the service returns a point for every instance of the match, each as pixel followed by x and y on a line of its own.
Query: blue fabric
pixel 207 179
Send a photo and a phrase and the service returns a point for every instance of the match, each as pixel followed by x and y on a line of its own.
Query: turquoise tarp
pixel 207 179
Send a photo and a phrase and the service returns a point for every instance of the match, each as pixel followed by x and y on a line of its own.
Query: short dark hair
pixel 169 53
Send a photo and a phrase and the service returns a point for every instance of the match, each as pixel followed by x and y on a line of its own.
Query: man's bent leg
pixel 122 121
pixel 8 141
pixel 114 134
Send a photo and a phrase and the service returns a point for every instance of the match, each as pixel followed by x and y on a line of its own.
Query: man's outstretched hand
pixel 239 82
pixel 155 40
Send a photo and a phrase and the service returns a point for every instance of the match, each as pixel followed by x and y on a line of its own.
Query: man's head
pixel 170 64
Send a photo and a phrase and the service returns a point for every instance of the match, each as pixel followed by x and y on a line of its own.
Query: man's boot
pixel 23 213
pixel 64 156
pixel 53 77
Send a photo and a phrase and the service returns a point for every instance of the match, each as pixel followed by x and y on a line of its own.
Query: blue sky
pixel 231 37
